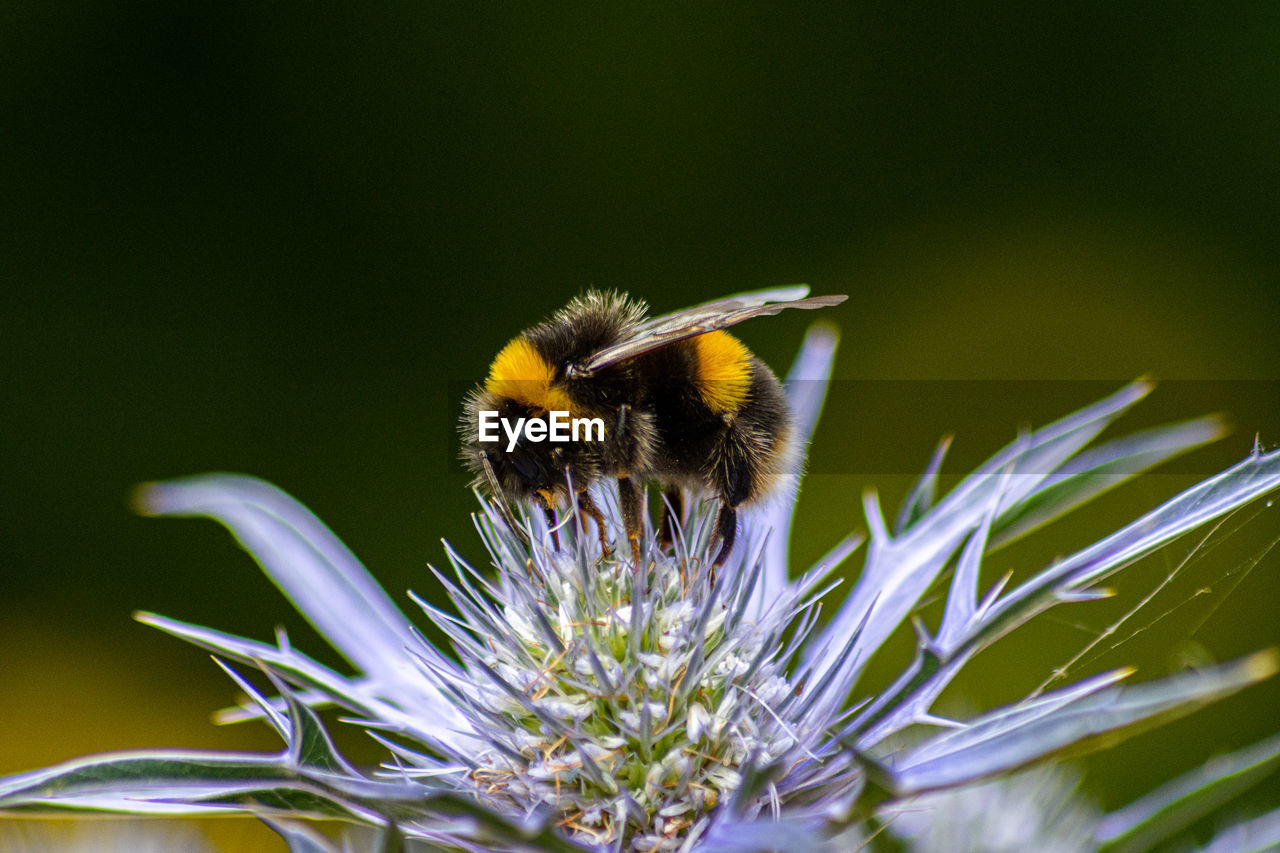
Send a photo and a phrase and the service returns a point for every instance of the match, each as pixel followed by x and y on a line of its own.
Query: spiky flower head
pixel 624 701
pixel 590 703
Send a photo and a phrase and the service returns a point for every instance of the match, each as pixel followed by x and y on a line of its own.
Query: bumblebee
pixel 681 403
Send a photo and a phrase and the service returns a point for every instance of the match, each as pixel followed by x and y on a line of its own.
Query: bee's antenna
pixel 500 500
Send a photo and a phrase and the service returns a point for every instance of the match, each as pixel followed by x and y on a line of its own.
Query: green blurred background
pixel 279 240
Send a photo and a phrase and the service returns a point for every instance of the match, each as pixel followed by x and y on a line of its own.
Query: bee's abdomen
pixel 733 442
pixel 755 448
pixel 722 371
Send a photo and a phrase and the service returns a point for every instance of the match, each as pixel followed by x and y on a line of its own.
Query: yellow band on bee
pixel 724 371
pixel 520 373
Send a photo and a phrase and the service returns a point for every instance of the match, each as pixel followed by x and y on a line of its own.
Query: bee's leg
pixel 672 514
pixel 727 530
pixel 629 499
pixel 620 427
pixel 550 515
pixel 735 477
pixel 588 507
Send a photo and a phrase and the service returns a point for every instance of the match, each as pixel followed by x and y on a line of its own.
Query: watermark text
pixel 558 426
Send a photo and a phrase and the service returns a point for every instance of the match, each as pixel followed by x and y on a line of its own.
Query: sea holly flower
pixel 589 703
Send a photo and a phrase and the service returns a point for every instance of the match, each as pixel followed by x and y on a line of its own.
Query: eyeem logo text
pixel 557 427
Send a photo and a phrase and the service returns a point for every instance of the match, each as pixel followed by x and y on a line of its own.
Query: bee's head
pixel 530 381
pixel 508 445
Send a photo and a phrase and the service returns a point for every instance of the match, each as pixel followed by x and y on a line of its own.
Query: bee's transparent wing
pixel 700 319
pixel 787 293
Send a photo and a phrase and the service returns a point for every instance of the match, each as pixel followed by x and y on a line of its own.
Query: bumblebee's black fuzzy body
pixel 738 453
pixel 699 412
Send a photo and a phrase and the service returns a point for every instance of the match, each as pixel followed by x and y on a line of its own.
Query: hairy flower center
pixel 624 720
